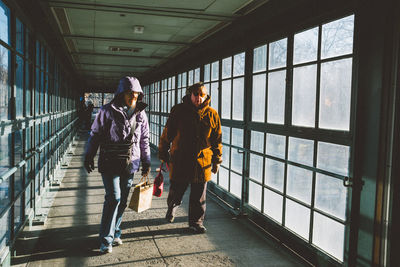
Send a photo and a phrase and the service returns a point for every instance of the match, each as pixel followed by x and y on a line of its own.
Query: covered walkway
pixel 69 236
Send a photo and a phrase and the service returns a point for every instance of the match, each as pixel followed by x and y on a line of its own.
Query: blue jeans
pixel 117 191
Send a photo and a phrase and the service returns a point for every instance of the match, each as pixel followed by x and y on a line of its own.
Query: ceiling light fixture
pixel 138 29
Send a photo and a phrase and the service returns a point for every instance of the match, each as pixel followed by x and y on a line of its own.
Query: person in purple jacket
pixel 121 130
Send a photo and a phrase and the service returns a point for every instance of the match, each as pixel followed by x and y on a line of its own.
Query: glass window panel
pixel 301 151
pixel 331 195
pixel 184 79
pixel 260 58
pixel 277 54
pixel 333 158
pixel 258 98
pixel 5 165
pixel 304 95
pixel 19 36
pixel 276 145
pixel 299 183
pixel 237 137
pixel 297 218
pixel 226 134
pixel 238 64
pixel 207 68
pixel 226 100
pixel 180 80
pixel 214 96
pixel 215 71
pixel 17 213
pixel 273 205
pixel 225 156
pixel 335 95
pixel 256 167
pixel 4 228
pixel 238 99
pixel 190 77
pixel 305 46
pixel 236 185
pixel 337 37
pixel 223 178
pixel 255 195
pixel 237 160
pixel 4 82
pixel 329 235
pixel 4 23
pixel 276 97
pixel 27 91
pixel 274 174
pixel 197 75
pixel 18 157
pixel 257 141
pixel 226 67
pixel 19 84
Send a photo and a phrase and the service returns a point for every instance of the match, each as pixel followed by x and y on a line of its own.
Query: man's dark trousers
pixel 197 200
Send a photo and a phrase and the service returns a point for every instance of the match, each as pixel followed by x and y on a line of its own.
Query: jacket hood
pixel 129 83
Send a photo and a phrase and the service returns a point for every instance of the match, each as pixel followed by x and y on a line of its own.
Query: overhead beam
pixel 174 12
pixel 109 71
pixel 112 65
pixel 115 55
pixel 125 40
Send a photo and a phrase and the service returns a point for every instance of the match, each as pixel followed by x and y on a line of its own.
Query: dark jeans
pixel 197 200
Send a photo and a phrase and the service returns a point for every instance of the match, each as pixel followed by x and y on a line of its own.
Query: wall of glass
pixel 288 163
pixel 37 122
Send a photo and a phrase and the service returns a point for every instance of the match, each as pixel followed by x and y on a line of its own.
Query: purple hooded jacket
pixel 112 125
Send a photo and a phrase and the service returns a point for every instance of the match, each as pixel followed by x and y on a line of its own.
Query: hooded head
pixel 129 84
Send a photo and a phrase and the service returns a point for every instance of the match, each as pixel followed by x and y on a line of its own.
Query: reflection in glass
pixel 274 174
pixel 276 145
pixel 256 167
pixel 335 95
pixel 4 82
pixel 255 195
pixel 226 100
pixel 333 158
pixel 260 58
pixel 305 46
pixel 258 98
pixel 257 141
pixel 297 218
pixel 238 99
pixel 4 227
pixel 207 68
pixel 236 185
pixel 225 156
pixel 337 37
pixel 331 195
pixel 223 178
pixel 214 95
pixel 238 64
pixel 18 157
pixel 273 205
pixel 5 164
pixel 328 235
pixel 301 151
pixel 226 67
pixel 299 183
pixel 19 86
pixel 215 71
pixel 237 160
pixel 304 94
pixel 276 97
pixel 277 54
pixel 237 137
pixel 4 23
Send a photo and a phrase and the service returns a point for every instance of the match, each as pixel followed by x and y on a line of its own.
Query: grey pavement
pixel 70 235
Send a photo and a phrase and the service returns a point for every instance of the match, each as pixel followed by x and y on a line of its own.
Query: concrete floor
pixel 70 235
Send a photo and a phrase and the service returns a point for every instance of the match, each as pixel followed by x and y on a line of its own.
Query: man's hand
pixel 145 169
pixel 89 165
pixel 215 167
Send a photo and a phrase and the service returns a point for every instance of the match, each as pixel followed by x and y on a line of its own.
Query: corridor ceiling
pixel 114 38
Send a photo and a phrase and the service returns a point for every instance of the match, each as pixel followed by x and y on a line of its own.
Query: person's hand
pixel 89 165
pixel 145 169
pixel 215 167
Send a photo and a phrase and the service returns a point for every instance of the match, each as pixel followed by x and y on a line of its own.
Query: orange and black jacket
pixel 191 141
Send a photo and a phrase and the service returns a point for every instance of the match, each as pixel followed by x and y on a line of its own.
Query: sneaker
pixel 117 241
pixel 198 228
pixel 105 248
pixel 169 217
